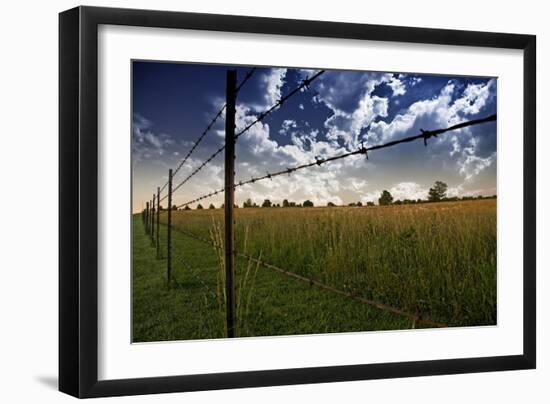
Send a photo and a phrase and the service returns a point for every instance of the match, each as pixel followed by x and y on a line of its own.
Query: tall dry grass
pixel 437 260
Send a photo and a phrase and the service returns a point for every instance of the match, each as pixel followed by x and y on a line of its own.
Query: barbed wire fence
pixel 151 213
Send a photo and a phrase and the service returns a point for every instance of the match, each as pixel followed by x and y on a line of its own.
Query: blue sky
pixel 173 103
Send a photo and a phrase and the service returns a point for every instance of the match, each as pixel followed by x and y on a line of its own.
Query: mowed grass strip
pixel 162 313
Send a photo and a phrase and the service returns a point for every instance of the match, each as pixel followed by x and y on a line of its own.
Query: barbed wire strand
pixel 415 318
pixel 197 142
pixel 195 145
pixel 303 85
pixel 192 272
pixel 247 77
pixel 425 135
pixel 200 198
pixel 364 150
pixel 199 168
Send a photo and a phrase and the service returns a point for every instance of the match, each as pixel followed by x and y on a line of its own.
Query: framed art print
pixel 251 201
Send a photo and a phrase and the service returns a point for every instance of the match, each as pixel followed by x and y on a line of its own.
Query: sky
pixel 172 103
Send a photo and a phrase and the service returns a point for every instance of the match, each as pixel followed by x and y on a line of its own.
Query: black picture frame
pixel 78 201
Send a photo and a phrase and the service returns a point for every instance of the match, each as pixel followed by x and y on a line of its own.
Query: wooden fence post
pixel 230 201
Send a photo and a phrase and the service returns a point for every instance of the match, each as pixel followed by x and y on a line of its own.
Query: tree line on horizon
pixel 437 193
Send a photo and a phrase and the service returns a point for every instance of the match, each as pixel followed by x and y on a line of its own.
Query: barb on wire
pixel 195 145
pixel 203 134
pixel 196 237
pixel 246 78
pixel 200 198
pixel 416 318
pixel 260 117
pixel 195 171
pixel 425 135
pixel 304 84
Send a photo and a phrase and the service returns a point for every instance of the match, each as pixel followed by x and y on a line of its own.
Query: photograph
pixel 363 201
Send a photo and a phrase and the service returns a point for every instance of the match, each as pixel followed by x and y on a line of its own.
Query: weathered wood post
pixel 230 201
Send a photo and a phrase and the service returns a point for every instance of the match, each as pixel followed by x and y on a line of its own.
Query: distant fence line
pixel 151 213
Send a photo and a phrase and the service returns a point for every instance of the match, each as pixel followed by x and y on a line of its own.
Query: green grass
pixel 437 260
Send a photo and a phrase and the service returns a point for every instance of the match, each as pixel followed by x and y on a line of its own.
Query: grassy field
pixel 437 260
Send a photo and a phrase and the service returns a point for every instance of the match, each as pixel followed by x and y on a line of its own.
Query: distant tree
pixel 277 205
pixel 437 192
pixel 330 205
pixel 266 204
pixel 352 204
pixel 292 204
pixel 211 206
pixel 187 207
pixel 385 198
pixel 359 204
pixel 248 203
pixel 199 206
pixel 254 205
pixel 308 204
pixel 174 207
pixel 370 203
pixel 398 202
pixel 285 203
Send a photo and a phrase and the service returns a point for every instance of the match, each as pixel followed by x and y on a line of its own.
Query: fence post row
pixel 169 230
pixel 230 200
pixel 158 222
